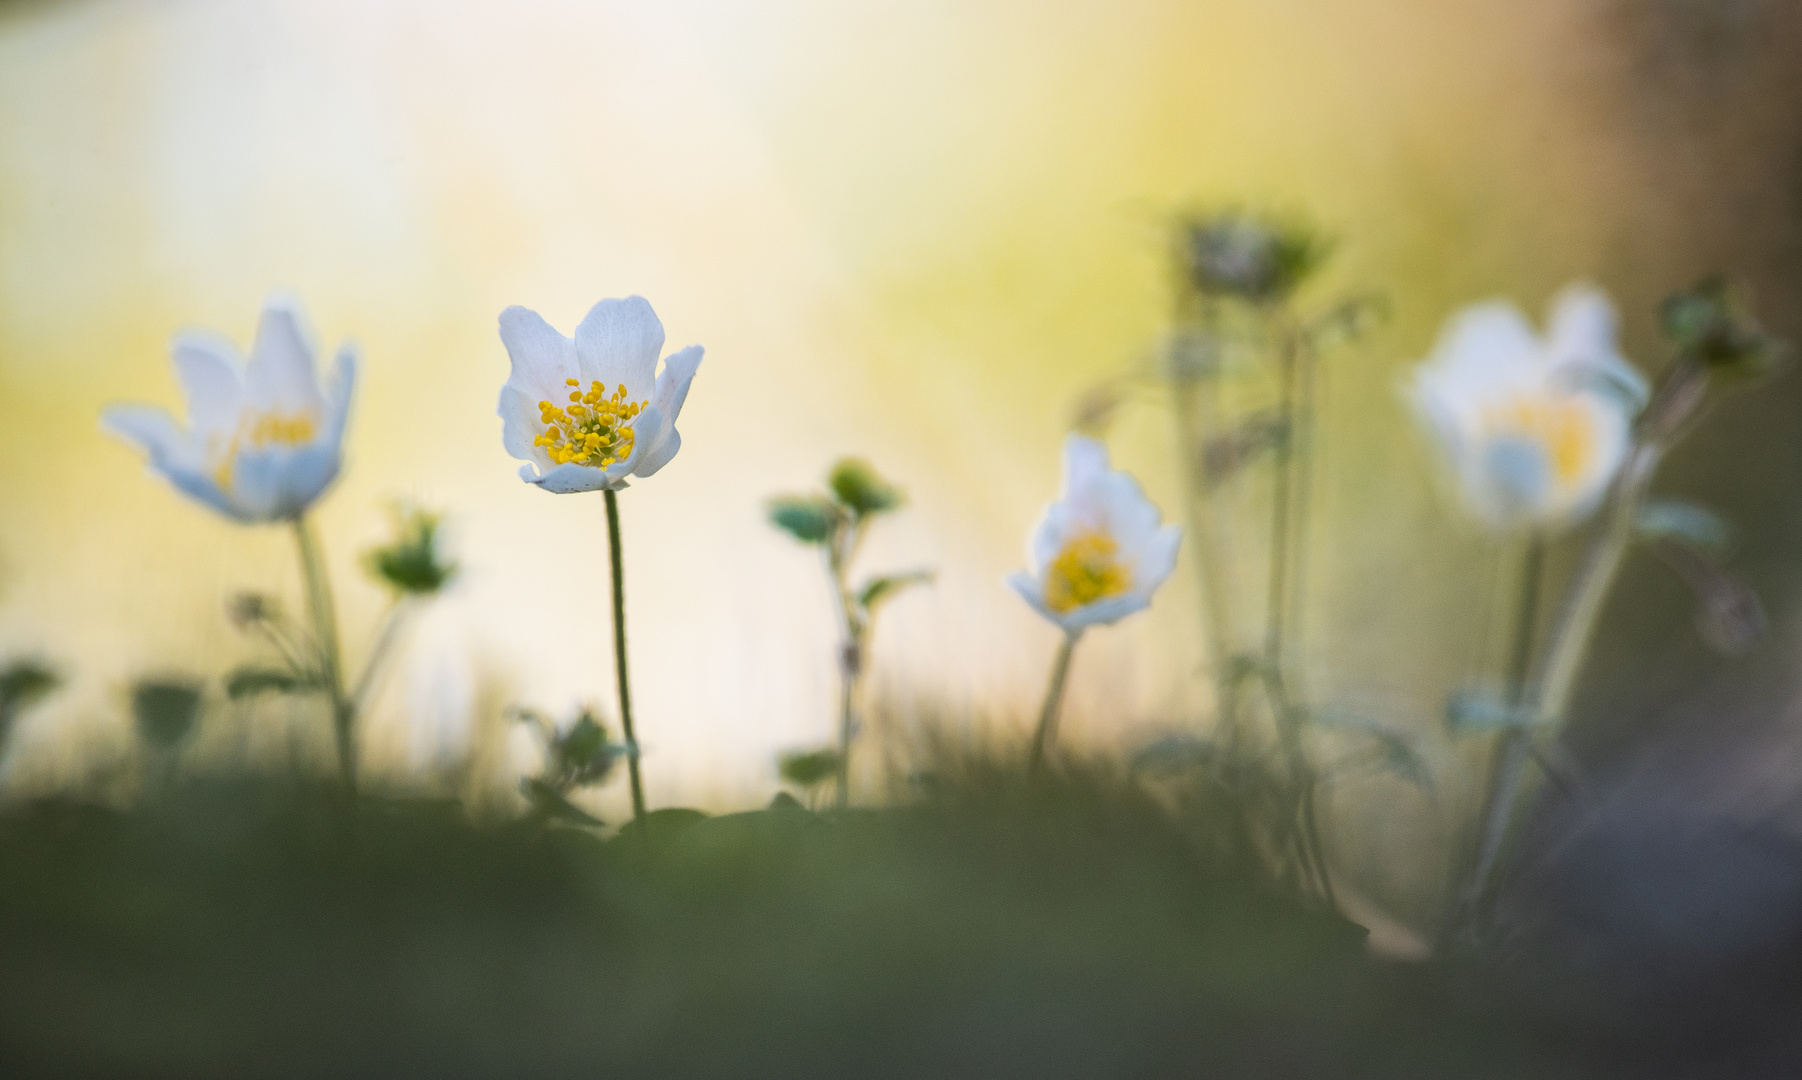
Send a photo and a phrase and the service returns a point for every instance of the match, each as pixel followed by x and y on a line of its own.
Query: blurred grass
pixel 991 926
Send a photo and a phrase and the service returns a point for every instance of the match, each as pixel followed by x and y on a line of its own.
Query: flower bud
pixel 411 564
pixel 1257 259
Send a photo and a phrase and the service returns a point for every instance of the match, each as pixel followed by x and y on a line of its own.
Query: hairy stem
pixel 619 655
pixel 325 640
pixel 1045 736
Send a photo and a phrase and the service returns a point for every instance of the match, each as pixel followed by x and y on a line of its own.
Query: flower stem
pixel 1513 750
pixel 325 637
pixel 850 663
pixel 1282 615
pixel 1193 418
pixel 619 655
pixel 1046 733
pixel 378 656
pixel 839 552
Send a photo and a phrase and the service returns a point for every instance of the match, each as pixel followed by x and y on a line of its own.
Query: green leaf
pixel 1223 456
pixel 811 519
pixel 166 710
pixel 857 485
pixel 548 803
pixel 411 563
pixel 1477 710
pixel 1686 523
pixel 670 821
pixel 584 755
pixel 785 801
pixel 809 768
pixel 1713 323
pixel 249 681
pixel 1399 750
pixel 879 589
pixel 23 683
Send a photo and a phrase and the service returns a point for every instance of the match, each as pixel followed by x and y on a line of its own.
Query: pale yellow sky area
pixel 912 231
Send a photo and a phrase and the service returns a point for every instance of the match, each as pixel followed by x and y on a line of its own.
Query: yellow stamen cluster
pixel 1086 570
pixel 593 429
pixel 257 431
pixel 1564 428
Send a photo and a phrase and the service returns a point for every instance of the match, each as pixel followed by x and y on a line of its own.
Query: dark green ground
pixel 996 929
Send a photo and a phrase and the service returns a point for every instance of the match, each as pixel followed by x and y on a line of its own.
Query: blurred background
pixel 917 232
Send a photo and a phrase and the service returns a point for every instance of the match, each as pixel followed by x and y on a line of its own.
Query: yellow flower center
pixel 593 429
pixel 257 431
pixel 1086 570
pixel 1564 429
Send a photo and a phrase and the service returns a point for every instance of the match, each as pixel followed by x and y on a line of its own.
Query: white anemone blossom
pixel 263 438
pixel 585 414
pixel 1099 552
pixel 1534 428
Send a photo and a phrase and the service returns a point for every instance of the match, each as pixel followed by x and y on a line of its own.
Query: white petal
pixel 672 392
pixel 1048 537
pixel 1156 561
pixel 339 393
pixel 1583 327
pixel 1127 515
pixel 619 342
pixel 280 375
pixel 570 479
pixel 198 484
pixel 1085 460
pixel 659 455
pixel 1486 349
pixel 520 426
pixel 1104 612
pixel 151 429
pixel 281 482
pixel 208 367
pixel 1032 590
pixel 543 359
pixel 173 453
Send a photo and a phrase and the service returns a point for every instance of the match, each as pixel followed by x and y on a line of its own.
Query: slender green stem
pixel 1045 735
pixel 378 656
pixel 1289 490
pixel 1195 417
pixel 325 639
pixel 619 655
pixel 850 663
pixel 1513 749
pixel 839 552
pixel 1569 645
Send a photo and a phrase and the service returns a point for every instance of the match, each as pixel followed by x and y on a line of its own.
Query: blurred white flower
pixel 1533 428
pixel 588 413
pixel 263 440
pixel 1099 552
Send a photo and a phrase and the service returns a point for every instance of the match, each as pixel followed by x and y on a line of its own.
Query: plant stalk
pixel 619 655
pixel 325 635
pixel 1194 417
pixel 1045 735
pixel 1290 490
pixel 1514 748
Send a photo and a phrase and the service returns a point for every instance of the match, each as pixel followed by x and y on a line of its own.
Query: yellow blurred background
pixel 913 231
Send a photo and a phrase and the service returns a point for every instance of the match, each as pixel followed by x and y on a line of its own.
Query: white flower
pixel 590 412
pixel 263 441
pixel 1099 552
pixel 1534 428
